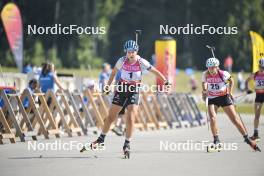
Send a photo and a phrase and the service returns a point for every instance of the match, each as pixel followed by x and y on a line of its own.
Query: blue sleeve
pixel 101 77
pixel 1 103
pixel 26 102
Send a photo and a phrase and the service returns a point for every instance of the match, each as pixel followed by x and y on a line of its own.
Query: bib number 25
pixel 214 86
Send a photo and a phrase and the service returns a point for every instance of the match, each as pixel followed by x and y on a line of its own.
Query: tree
pixel 122 17
pixel 38 56
pixel 53 58
pixel 246 15
pixel 86 55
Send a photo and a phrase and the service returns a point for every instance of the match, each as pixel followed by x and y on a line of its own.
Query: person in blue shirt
pixel 7 90
pixel 27 69
pixel 118 76
pixel 32 86
pixel 104 75
pixel 48 78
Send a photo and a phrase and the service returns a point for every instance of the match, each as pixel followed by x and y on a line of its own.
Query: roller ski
pixel 216 146
pixel 126 150
pixel 252 144
pixel 96 145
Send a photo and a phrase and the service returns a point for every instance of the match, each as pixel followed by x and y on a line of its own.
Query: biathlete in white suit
pixel 131 67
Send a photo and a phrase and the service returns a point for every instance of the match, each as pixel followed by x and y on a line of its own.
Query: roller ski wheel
pixel 214 147
pixel 94 146
pixel 83 149
pixel 254 146
pixel 255 138
pixel 126 154
pixel 126 150
pixel 97 145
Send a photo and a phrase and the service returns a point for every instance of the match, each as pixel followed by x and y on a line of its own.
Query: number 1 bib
pixel 131 72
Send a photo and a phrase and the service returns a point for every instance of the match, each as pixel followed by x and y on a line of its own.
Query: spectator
pixel 7 90
pixel 118 76
pixel 27 69
pixel 228 64
pixel 48 78
pixel 91 85
pixel 193 83
pixel 32 86
pixel 240 81
pixel 104 75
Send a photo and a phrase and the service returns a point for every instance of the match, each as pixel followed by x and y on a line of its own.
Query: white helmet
pixel 212 62
pixel 261 62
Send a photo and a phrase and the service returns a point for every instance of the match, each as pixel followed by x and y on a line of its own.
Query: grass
pixel 9 69
pixel 81 72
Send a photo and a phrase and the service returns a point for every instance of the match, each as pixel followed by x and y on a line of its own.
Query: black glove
pixel 106 90
pixel 204 94
pixel 166 83
pixel 249 91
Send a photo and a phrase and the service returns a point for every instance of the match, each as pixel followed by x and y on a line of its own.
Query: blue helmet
pixel 130 45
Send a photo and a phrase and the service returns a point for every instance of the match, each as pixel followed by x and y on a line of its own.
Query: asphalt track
pixel 146 156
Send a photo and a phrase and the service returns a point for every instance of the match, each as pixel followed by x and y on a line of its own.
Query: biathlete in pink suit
pixel 218 87
pixel 258 77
